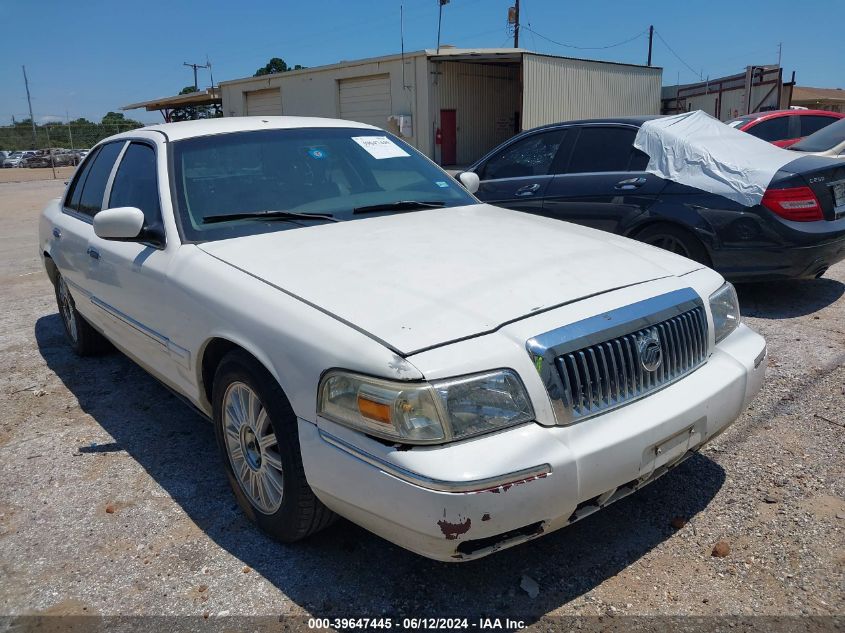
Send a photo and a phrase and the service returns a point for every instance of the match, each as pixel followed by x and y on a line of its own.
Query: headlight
pixel 724 305
pixel 425 413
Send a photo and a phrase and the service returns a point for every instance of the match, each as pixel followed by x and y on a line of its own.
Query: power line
pixel 691 69
pixel 584 48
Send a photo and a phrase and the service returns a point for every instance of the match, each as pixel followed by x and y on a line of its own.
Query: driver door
pixel 518 175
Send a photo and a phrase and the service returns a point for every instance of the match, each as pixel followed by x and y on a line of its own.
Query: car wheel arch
pixel 213 351
pixel 635 232
pixel 50 266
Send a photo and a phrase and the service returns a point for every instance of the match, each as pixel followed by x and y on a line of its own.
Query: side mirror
pixel 120 223
pixel 470 180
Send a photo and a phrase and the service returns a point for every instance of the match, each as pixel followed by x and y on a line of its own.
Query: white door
pixel 128 279
pixel 264 102
pixel 365 99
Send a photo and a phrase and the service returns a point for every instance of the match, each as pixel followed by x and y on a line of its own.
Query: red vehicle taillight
pixel 798 204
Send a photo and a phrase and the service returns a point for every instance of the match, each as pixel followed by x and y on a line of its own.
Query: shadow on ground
pixel 346 571
pixel 788 299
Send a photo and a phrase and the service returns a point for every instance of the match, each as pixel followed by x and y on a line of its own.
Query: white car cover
pixel 697 150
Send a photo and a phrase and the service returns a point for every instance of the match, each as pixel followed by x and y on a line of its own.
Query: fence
pixel 64 135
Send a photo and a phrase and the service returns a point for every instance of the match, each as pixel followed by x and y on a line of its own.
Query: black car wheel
pixel 675 240
pixel 258 436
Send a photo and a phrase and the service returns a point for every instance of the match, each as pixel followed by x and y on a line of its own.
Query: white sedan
pixel 370 341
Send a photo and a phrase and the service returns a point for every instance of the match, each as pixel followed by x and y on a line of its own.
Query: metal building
pixel 455 104
pixel 758 89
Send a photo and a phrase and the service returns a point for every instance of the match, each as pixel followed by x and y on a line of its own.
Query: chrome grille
pixel 596 365
pixel 610 373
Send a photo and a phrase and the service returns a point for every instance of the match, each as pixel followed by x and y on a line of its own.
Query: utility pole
pixel 780 52
pixel 650 40
pixel 516 24
pixel 29 101
pixel 69 131
pixel 439 20
pixel 195 66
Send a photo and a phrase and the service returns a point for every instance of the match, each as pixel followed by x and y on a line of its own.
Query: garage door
pixel 366 99
pixel 264 102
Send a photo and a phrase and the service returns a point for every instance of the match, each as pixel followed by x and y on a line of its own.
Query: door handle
pixel 57 233
pixel 527 190
pixel 630 183
pixel 93 252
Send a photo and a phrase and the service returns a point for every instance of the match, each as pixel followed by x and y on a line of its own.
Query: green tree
pixel 276 65
pixel 189 112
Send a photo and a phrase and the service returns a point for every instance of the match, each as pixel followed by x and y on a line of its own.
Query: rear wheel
pixel 675 240
pixel 258 437
pixel 84 339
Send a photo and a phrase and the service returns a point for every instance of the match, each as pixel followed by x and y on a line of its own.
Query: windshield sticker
pixel 317 153
pixel 380 147
pixel 442 183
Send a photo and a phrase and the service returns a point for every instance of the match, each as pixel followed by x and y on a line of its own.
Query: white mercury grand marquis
pixel 370 341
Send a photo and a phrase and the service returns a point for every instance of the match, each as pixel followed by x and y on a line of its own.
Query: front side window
pixel 603 149
pixel 813 123
pixel 325 171
pixel 529 156
pixel 90 200
pixel 135 183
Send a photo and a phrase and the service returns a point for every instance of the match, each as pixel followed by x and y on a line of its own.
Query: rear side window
pixel 75 190
pixel 601 149
pixel 94 187
pixel 529 156
pixel 813 123
pixel 135 183
pixel 771 130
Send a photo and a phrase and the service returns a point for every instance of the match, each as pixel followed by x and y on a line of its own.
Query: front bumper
pixel 533 479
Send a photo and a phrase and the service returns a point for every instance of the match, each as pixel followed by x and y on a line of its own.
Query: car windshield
pixel 823 140
pixel 322 171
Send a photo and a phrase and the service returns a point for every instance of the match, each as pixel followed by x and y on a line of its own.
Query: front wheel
pixel 258 438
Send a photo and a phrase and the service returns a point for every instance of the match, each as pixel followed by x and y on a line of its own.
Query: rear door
pixel 73 229
pixel 602 182
pixel 517 175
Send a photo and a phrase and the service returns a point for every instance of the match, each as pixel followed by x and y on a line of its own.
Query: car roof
pixel 774 114
pixel 637 120
pixel 226 125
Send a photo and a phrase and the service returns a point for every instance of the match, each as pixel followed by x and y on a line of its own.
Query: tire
pixel 83 339
pixel 258 438
pixel 675 240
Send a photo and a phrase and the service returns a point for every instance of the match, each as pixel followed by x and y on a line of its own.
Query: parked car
pixel 588 172
pixel 829 141
pixel 784 127
pixel 370 340
pixel 16 158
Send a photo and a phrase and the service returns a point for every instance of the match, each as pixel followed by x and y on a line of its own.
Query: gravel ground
pixel 114 502
pixel 29 174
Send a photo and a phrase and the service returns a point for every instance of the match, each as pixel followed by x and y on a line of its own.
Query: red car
pixel 784 127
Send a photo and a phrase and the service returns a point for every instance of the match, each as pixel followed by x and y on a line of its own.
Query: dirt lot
pixel 113 500
pixel 26 174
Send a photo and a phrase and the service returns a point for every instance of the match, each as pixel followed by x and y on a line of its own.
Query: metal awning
pixel 207 97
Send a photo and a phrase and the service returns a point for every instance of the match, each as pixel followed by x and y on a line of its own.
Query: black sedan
pixel 588 172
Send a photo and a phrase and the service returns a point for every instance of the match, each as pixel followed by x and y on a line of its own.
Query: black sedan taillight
pixel 798 204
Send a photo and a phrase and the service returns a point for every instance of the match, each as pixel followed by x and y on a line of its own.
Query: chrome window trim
pixel 546 348
pixel 438 485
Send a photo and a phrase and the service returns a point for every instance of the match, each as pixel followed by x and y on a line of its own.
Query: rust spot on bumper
pixel 453 530
pixel 511 484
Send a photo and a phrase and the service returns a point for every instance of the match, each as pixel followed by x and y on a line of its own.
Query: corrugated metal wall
pixel 560 89
pixel 485 98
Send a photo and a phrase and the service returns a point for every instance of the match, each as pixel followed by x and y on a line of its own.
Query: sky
pixel 88 57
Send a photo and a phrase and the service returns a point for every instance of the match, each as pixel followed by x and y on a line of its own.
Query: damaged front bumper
pixel 469 499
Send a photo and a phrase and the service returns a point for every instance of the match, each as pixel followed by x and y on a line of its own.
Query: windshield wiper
pixel 268 215
pixel 399 205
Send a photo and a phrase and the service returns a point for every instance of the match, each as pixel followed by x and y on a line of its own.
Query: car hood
pixel 421 279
